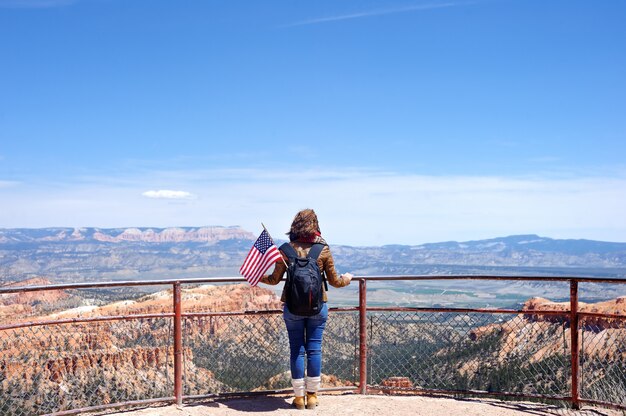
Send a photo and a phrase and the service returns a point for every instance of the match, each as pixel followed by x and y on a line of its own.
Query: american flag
pixel 262 255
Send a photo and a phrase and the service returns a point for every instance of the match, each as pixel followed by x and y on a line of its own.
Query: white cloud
pixel 7 184
pixel 357 207
pixel 167 194
pixel 378 12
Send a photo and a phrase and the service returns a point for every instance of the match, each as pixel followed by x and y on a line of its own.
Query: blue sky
pixel 398 121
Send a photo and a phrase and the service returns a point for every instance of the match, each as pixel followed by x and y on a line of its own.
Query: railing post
pixel 362 337
pixel 574 343
pixel 178 346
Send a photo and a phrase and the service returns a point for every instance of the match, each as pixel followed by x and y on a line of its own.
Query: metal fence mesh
pixel 340 347
pixel 603 360
pixel 238 353
pixel 49 368
pixel 232 353
pixel 453 351
pixel 45 369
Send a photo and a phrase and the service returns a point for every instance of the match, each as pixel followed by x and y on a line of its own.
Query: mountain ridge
pixel 219 233
pixel 114 235
pixel 85 254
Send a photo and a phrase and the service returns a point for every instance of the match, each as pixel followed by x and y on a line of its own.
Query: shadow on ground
pixel 249 404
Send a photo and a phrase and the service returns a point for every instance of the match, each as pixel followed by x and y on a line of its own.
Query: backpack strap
pixel 315 251
pixel 289 251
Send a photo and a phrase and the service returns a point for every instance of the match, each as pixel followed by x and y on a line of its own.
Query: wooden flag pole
pixel 281 256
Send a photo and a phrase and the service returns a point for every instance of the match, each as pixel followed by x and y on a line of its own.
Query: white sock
pixel 313 384
pixel 298 386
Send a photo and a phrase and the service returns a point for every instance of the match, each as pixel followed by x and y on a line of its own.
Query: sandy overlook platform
pixel 374 405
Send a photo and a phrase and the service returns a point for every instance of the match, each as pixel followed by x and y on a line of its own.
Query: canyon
pixel 230 346
pixel 99 361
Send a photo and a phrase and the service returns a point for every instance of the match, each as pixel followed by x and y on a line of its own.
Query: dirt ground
pixel 370 405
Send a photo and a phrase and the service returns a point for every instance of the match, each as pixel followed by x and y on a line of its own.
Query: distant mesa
pixel 116 235
pixel 13 305
pixel 175 235
pixel 49 296
pixel 88 254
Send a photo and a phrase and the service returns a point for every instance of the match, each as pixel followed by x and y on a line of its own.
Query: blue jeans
pixel 305 335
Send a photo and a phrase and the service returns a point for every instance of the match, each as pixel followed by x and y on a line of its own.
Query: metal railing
pixel 74 365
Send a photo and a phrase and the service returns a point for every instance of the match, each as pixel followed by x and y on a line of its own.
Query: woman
pixel 305 332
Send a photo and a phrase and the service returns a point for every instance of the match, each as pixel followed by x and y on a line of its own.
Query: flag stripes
pixel 262 255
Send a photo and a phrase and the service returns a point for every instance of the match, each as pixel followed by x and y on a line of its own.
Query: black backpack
pixel 303 288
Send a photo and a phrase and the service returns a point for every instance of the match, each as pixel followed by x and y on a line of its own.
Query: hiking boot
pixel 298 391
pixel 311 400
pixel 298 402
pixel 312 386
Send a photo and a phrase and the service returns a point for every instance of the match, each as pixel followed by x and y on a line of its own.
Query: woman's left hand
pixel 347 277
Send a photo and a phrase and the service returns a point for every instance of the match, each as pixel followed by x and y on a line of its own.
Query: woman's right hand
pixel 347 277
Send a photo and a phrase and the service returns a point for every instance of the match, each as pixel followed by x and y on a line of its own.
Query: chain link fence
pixel 241 353
pixel 51 368
pixel 47 368
pixel 496 353
pixel 603 360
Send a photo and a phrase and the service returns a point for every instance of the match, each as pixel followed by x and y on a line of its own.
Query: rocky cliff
pixel 116 235
pixel 527 353
pixel 55 367
pixel 615 307
pixel 97 362
pixel 530 329
pixel 531 351
pixel 16 305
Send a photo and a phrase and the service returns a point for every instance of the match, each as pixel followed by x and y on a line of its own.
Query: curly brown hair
pixel 304 225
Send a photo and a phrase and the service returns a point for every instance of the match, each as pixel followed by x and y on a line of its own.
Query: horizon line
pixel 353 245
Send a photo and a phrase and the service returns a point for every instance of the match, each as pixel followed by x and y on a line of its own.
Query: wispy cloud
pixel 363 207
pixel 377 12
pixel 34 4
pixel 167 194
pixel 7 184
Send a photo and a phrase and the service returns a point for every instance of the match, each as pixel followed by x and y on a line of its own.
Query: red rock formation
pixel 477 333
pixel 14 305
pixel 204 234
pixel 49 296
pixel 540 336
pixel 595 323
pixel 126 356
pixel 205 298
pixel 56 369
